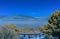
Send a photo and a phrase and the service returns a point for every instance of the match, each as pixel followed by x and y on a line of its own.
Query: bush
pixel 6 32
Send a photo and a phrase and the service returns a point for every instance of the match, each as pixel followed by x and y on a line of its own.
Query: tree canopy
pixel 53 26
pixel 8 32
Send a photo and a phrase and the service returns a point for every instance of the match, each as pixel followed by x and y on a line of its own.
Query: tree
pixel 55 20
pixel 8 32
pixel 12 26
pixel 53 26
pixel 47 29
pixel 1 34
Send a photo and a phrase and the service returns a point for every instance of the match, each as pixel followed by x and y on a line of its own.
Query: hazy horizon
pixel 23 21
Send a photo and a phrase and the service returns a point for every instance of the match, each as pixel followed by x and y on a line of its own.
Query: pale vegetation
pixel 8 32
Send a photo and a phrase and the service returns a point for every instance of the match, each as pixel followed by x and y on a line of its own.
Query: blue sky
pixel 35 8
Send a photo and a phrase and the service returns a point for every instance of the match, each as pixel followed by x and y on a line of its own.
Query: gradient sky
pixel 35 8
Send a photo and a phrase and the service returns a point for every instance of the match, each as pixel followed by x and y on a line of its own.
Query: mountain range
pixel 23 21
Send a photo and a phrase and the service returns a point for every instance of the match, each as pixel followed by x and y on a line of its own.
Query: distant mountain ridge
pixel 19 17
pixel 16 17
pixel 23 21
